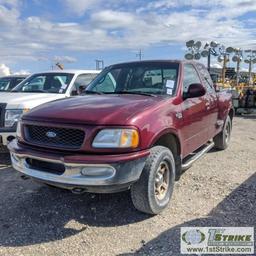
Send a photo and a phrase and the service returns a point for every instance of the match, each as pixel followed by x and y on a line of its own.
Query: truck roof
pixel 148 61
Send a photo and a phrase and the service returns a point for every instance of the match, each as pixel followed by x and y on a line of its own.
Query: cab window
pixel 207 80
pixel 16 82
pixel 81 82
pixel 45 83
pixel 190 77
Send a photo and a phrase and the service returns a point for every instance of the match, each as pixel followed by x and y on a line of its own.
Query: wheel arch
pixel 171 140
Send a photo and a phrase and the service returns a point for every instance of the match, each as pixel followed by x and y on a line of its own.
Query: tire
pixel 148 195
pixel 222 140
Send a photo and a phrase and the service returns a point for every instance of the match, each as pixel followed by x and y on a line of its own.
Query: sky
pixel 35 34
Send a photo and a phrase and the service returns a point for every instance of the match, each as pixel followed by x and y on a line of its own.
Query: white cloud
pixel 4 70
pixel 10 2
pixel 80 6
pixel 113 19
pixel 115 25
pixel 22 72
pixel 64 59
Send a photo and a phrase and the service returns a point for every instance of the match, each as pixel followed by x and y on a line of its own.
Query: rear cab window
pixel 159 78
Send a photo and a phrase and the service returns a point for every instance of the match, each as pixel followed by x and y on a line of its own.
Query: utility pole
pixel 99 64
pixel 139 54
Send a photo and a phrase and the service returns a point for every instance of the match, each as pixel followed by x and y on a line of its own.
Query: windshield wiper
pixel 133 92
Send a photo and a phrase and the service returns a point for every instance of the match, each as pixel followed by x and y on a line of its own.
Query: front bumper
pixel 7 134
pixel 92 173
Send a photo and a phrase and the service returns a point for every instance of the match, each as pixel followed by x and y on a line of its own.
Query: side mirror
pixel 81 89
pixel 194 91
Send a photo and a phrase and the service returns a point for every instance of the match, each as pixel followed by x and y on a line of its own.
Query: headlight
pixel 116 138
pixel 18 131
pixel 12 116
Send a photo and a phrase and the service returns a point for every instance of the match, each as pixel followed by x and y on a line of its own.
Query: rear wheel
pixel 222 140
pixel 152 193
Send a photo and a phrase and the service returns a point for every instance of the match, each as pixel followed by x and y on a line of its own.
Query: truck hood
pixel 94 109
pixel 20 100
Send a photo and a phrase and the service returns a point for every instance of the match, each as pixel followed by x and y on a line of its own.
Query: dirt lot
pixel 218 190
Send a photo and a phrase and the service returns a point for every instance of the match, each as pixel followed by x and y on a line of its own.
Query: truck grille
pixel 54 136
pixel 2 113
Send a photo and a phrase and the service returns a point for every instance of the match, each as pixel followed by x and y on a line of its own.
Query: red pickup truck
pixel 138 126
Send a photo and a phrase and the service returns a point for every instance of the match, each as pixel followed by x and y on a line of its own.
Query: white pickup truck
pixel 35 90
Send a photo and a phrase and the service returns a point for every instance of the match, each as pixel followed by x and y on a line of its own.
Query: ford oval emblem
pixel 51 134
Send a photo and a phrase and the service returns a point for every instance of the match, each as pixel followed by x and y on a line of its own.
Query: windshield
pixel 138 78
pixel 5 84
pixel 46 83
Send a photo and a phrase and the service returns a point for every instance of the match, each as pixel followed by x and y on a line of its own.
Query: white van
pixel 37 89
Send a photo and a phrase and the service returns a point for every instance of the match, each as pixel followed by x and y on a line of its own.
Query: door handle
pixel 207 104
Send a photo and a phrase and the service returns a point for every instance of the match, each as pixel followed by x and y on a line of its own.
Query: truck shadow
pixel 237 209
pixel 32 214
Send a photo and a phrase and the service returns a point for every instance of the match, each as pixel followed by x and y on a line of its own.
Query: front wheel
pixel 222 139
pixel 153 191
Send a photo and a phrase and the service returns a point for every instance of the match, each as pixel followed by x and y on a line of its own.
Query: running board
pixel 197 154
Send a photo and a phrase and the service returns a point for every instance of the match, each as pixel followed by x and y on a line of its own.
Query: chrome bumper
pixel 81 175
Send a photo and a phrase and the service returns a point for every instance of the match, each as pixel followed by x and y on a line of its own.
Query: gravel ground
pixel 218 190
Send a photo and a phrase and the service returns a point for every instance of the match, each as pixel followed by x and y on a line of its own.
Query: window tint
pixel 207 80
pixel 157 78
pixel 190 77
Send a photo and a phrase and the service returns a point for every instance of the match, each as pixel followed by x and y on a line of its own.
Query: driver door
pixel 195 126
